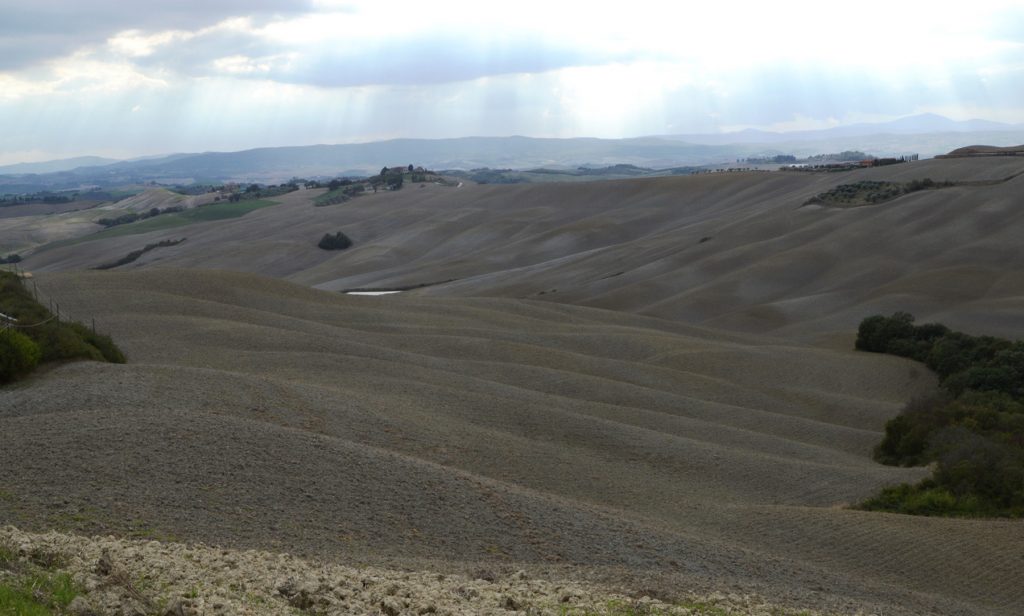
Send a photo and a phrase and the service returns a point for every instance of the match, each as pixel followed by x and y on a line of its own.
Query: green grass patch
pixel 339 195
pixel 691 607
pixel 7 556
pixel 928 499
pixel 331 197
pixel 37 594
pixel 16 601
pixel 224 211
pixel 157 223
pixel 204 213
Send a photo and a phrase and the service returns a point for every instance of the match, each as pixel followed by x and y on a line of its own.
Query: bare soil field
pixel 728 250
pixel 255 413
pixel 647 385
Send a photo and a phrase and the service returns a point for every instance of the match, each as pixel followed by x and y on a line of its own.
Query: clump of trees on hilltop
pixel 873 191
pixel 973 431
pixel 335 241
pixel 342 190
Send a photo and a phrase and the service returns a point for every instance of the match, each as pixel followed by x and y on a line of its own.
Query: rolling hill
pixel 738 251
pixel 648 382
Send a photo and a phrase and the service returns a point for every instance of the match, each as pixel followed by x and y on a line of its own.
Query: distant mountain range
pixel 912 125
pixel 52 166
pixel 926 135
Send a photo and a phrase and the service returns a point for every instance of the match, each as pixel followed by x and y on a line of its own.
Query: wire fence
pixel 57 313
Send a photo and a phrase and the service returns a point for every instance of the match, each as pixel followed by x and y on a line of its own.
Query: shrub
pixel 52 339
pixel 878 333
pixel 974 433
pixel 18 355
pixel 60 341
pixel 906 435
pixel 928 501
pixel 336 241
pixel 101 342
pixel 970 464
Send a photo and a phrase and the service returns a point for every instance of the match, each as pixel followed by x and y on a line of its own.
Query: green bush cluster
pixel 961 361
pixel 49 339
pixel 973 432
pixel 866 191
pixel 18 355
pixel 340 194
pixel 873 191
pixel 257 191
pixel 130 217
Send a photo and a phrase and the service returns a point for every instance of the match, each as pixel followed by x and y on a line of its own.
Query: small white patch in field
pixel 372 292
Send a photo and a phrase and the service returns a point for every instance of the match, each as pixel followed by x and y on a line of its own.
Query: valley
pixel 648 383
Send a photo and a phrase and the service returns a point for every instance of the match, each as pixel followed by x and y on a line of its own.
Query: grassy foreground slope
pixel 448 432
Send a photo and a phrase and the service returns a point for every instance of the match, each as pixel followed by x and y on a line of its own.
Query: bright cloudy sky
pixel 129 78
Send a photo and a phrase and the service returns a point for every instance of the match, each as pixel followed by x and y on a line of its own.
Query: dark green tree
pixel 334 241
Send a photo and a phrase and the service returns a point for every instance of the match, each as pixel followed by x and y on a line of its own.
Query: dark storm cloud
pixel 32 32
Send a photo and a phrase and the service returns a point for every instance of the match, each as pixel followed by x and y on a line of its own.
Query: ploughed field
pixel 738 251
pixel 643 382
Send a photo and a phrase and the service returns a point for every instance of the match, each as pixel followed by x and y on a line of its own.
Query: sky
pixel 126 79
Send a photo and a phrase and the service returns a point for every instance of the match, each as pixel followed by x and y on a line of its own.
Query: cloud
pixel 431 59
pixel 1008 25
pixel 190 75
pixel 284 42
pixel 238 48
pixel 41 30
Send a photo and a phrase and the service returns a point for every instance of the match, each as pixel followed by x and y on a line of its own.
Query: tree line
pixel 972 431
